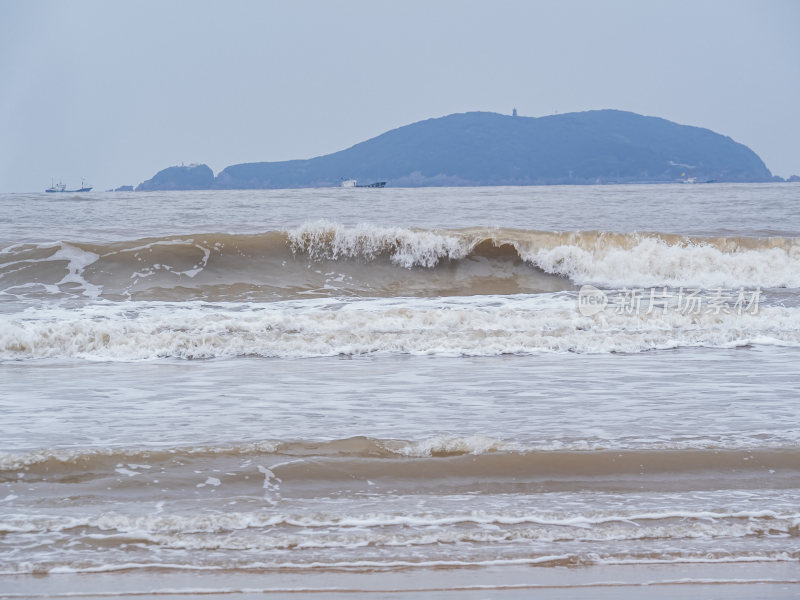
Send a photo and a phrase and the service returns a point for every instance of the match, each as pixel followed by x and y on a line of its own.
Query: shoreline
pixel 686 580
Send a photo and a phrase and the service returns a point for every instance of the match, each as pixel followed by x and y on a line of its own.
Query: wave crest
pixel 405 247
pixel 325 259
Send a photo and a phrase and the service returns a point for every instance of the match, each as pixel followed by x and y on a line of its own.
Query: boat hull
pixel 377 184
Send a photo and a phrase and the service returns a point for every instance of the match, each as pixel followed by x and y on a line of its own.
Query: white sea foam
pixel 473 326
pixel 406 247
pixel 749 522
pixel 447 445
pixel 349 538
pixel 77 261
pixel 315 565
pixel 608 259
pixel 651 261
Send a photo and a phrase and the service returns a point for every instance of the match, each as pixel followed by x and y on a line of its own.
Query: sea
pixel 494 392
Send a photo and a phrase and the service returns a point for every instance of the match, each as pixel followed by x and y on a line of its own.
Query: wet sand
pixel 746 580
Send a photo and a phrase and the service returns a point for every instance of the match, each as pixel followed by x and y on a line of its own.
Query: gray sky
pixel 115 91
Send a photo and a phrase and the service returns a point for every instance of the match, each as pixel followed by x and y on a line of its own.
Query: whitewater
pixel 271 391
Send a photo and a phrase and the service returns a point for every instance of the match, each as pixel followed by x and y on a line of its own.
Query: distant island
pixel 482 148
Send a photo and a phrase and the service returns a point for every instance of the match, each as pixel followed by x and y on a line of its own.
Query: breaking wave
pixel 467 326
pixel 323 289
pixel 466 511
pixel 326 259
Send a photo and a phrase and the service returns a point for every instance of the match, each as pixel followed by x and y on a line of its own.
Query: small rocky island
pixel 482 148
pixel 191 177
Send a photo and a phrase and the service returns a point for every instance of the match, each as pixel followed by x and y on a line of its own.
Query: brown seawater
pixel 313 388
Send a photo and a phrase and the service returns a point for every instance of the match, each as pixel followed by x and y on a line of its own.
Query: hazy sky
pixel 115 91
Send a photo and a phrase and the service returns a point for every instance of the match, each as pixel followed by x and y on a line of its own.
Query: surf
pixel 324 259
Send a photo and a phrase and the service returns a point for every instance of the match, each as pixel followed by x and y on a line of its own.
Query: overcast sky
pixel 115 91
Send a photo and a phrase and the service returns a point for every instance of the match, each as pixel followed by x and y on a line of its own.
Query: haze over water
pixel 363 389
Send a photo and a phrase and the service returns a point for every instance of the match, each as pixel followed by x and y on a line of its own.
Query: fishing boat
pixel 353 183
pixel 84 187
pixel 62 187
pixel 58 187
pixel 377 184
